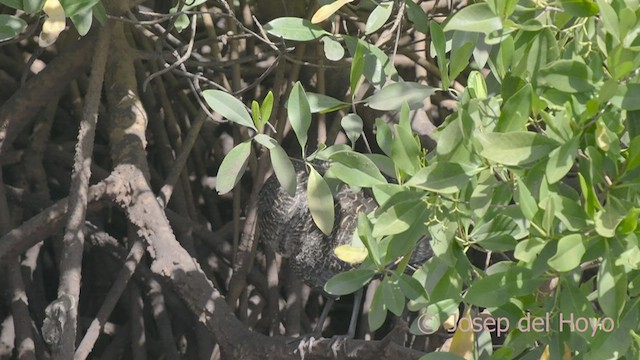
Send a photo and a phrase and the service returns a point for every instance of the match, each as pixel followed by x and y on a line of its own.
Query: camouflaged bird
pixel 286 225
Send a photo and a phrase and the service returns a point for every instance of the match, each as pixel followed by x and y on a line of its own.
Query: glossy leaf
pixel 582 8
pixel 299 113
pixel 378 17
pixel 571 76
pixel 73 7
pixel 377 312
pixel 561 160
pixel 417 16
pixel 320 201
pixel 569 253
pixel 325 11
pixel 296 29
pixel 323 103
pixel 356 169
pixel 266 108
pixel 365 235
pixel 612 287
pixel 514 148
pixel 391 97
pixel 474 18
pixel 352 125
pixel 357 68
pixel 281 163
pixel 405 151
pixel 515 111
pixel 348 282
pixel 229 107
pixel 333 50
pixel 392 296
pixel 445 178
pixel 10 26
pixel 440 44
pixel 398 218
pixel 233 167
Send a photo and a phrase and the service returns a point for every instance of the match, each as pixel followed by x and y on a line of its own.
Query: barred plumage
pixel 286 225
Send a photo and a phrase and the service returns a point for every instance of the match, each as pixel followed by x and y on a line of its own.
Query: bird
pixel 285 224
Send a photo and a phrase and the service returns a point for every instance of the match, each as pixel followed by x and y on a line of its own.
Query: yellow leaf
pixel 351 254
pixel 545 353
pixel 452 320
pixel 55 23
pixel 327 10
pixel 567 352
pixel 462 343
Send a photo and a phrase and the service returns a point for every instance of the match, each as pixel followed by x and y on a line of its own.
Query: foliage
pixel 538 167
pixel 81 13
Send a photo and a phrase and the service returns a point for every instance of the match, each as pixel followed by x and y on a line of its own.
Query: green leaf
pixel 255 114
pixel 73 7
pixel 299 114
pixel 526 201
pixel 333 50
pixel 627 97
pixel 356 169
pixel 296 29
pixel 16 4
pixel 497 289
pixel 348 282
pixel 399 217
pixel 34 6
pixel 391 97
pixel 417 16
pixel 444 178
pixel 474 18
pixel 266 108
pixel 281 163
pixel 633 153
pixel 581 8
pixel 377 68
pixel 392 295
pixel 612 287
pixel 570 76
pixel 377 311
pixel 383 136
pixel 323 103
pixel 357 68
pixel 439 43
pixel 515 111
pixel 570 213
pixel 460 59
pixel 614 342
pixel 229 107
pixel 405 151
pixel 476 85
pixel 411 287
pixel 515 148
pixel 378 17
pixel 10 26
pixel 82 21
pixel 607 219
pixel 499 226
pixel 352 125
pixel 320 201
pixel 561 160
pixel 365 235
pixel 232 167
pixel 527 250
pixel 569 253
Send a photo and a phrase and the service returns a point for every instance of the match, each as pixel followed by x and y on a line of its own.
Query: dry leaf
pixel 55 23
pixel 327 10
